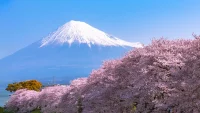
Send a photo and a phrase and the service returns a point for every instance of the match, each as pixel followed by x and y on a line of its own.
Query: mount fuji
pixel 72 51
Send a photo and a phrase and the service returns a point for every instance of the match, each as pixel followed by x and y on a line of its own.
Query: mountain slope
pixel 74 46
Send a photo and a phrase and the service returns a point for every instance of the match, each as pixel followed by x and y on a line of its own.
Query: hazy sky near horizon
pixel 23 22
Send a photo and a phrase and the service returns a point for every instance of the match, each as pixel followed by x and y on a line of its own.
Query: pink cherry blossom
pixel 163 77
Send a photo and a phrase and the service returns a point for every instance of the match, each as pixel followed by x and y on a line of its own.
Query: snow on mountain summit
pixel 81 32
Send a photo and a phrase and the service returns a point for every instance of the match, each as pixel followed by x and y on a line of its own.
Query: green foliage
pixel 2 110
pixel 29 85
pixel 134 107
pixel 8 111
pixel 36 111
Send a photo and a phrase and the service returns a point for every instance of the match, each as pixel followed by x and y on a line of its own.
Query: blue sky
pixel 23 22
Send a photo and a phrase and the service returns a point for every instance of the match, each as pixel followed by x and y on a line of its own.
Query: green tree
pixel 1 110
pixel 36 111
pixel 29 85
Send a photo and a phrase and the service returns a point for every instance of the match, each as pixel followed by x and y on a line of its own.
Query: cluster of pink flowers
pixel 161 77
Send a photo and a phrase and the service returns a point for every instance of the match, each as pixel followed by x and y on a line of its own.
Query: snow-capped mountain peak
pixel 81 32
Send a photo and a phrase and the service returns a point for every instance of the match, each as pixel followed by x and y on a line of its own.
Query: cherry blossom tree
pixel 163 77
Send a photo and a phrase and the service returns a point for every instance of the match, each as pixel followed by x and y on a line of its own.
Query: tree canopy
pixel 29 85
pixel 160 78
